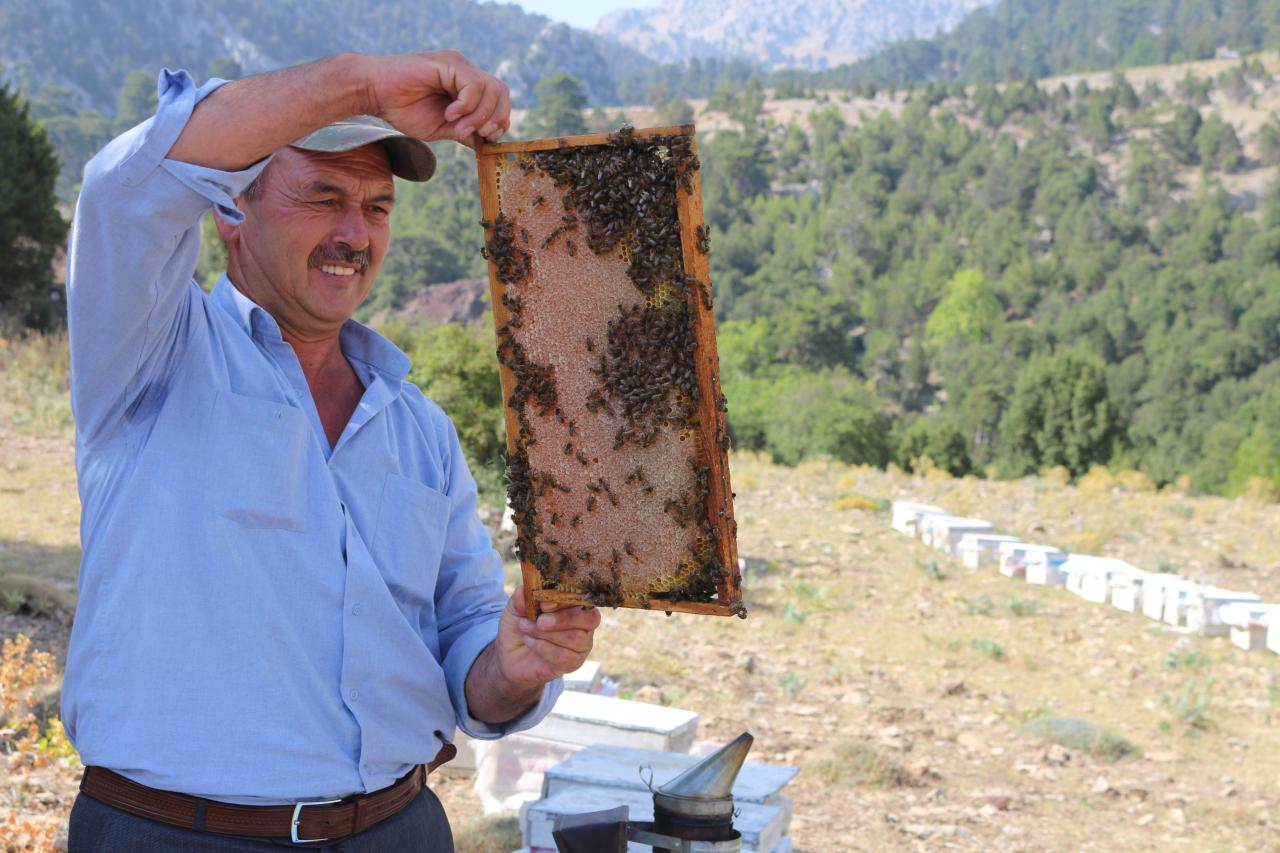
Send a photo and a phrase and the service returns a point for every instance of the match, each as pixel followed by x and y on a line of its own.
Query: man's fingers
pixel 560 658
pixel 574 618
pixel 479 120
pixel 500 121
pixel 575 639
pixel 465 101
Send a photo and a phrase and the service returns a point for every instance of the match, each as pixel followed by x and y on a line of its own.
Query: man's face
pixel 314 236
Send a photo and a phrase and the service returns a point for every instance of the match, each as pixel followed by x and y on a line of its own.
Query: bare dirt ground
pixel 899 681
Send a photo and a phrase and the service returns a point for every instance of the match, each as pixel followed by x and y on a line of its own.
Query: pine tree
pixel 136 100
pixel 31 229
pixel 1060 414
pixel 559 111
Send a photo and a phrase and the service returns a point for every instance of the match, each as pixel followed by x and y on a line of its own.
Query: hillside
pixel 780 34
pixel 89 46
pixel 1019 39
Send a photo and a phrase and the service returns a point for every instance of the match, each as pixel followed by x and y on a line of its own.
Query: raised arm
pixel 135 239
pixel 438 95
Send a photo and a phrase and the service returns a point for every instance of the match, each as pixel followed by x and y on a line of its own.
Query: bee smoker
pixel 693 813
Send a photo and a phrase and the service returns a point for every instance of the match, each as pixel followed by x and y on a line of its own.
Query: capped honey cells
pixel 617 468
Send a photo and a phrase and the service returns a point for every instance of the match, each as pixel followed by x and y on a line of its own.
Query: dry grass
pixel 34 374
pixel 493 834
pixel 851 762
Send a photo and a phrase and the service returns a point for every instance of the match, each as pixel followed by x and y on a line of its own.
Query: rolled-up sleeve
pixel 134 245
pixel 470 599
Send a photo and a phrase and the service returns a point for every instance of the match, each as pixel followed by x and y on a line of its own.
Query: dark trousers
pixel 421 827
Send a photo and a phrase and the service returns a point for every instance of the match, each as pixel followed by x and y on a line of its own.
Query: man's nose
pixel 351 228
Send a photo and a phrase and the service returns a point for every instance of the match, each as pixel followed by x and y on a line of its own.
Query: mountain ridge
pixel 89 46
pixel 778 33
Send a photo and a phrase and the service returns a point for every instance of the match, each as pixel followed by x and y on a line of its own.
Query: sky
pixel 581 13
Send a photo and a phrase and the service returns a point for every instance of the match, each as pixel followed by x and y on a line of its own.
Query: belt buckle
pixel 297 821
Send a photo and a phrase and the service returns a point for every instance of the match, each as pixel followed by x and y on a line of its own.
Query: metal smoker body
pixel 693 813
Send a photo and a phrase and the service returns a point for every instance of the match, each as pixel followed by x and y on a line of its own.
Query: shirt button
pixel 355 610
pixel 353 694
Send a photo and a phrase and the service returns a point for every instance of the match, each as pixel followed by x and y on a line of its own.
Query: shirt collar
pixel 235 303
pixel 358 341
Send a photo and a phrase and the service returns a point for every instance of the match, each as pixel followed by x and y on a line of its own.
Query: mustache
pixel 340 253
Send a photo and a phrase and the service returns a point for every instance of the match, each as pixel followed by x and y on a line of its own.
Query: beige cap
pixel 411 159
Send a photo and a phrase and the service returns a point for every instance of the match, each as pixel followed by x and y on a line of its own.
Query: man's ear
pixel 227 230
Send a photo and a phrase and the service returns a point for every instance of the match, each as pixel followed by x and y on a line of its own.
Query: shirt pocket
pixel 256 462
pixel 408 541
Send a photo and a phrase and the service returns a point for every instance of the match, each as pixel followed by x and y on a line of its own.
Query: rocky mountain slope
pixel 88 46
pixel 781 33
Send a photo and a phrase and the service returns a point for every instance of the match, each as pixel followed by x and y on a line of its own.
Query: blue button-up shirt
pixel 262 618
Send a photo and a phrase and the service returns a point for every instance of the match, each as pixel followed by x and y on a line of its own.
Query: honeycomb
pixel 610 471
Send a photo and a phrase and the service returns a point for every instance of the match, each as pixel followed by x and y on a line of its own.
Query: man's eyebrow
pixel 322 188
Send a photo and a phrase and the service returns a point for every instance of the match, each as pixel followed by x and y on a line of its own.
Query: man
pixel 287 601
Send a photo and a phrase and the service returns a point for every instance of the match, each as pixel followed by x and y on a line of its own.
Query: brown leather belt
pixel 325 820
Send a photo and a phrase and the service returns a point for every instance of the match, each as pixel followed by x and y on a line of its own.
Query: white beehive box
pixel 783 846
pixel 585 718
pixel 907 515
pixel 587 678
pixel 1153 590
pixel 1128 590
pixel 1044 568
pixel 1097 586
pixel 947 532
pixel 978 550
pixel 929 524
pixel 1090 576
pixel 1249 622
pixel 1013 556
pixel 1177 600
pixel 1203 609
pixel 1273 635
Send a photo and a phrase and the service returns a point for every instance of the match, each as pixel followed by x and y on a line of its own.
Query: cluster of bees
pixel 646 373
pixel 511 261
pixel 619 194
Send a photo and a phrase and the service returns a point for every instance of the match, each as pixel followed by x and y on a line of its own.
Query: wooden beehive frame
pixel 492 159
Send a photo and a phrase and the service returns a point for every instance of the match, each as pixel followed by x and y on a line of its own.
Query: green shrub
pixel 1191 703
pixel 792 683
pixel 1076 733
pixel 987 648
pixel 1021 606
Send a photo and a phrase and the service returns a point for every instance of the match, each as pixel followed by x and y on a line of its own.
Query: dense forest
pixel 999 282
pixel 1016 39
pixel 987 282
